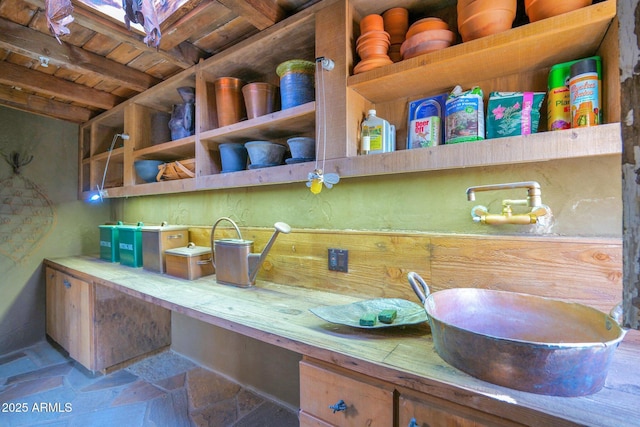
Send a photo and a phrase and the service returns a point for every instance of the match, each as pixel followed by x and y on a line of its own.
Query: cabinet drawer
pixel 429 411
pixel 343 398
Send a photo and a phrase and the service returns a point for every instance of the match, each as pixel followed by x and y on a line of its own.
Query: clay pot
pixel 297 82
pixel 371 63
pixel 480 6
pixel 259 99
pixel 373 22
pixel 373 46
pixel 396 23
pixel 229 100
pixel 265 153
pixel 486 23
pixel 302 147
pixel 425 42
pixel 426 24
pixel 233 157
pixel 542 9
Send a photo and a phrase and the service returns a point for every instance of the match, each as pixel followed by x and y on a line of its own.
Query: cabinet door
pixel 55 308
pixel 78 318
pixel 343 398
pixel 68 314
pixel 420 410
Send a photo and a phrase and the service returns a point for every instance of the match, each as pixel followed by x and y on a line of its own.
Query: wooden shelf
pixel 526 48
pixel 281 124
pixel 117 154
pixel 179 149
pixel 601 140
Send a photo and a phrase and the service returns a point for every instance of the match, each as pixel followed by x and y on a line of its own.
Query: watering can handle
pixel 213 230
pixel 419 286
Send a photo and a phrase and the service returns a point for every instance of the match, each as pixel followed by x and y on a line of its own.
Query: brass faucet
pixel 534 201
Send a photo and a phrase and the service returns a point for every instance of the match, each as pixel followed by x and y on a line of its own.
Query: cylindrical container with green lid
pixel 584 89
pixel 297 82
pixel 558 95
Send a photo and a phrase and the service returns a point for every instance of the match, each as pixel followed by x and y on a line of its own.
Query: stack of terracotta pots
pixel 481 18
pixel 373 44
pixel 396 23
pixel 426 35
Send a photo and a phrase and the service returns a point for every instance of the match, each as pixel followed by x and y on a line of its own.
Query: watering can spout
pixel 256 260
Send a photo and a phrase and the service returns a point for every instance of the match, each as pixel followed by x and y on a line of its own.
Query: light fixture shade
pixel 100 193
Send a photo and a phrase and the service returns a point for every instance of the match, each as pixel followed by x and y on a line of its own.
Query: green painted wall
pixel 584 196
pixel 68 227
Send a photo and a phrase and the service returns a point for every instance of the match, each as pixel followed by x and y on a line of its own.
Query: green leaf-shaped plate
pixel 408 313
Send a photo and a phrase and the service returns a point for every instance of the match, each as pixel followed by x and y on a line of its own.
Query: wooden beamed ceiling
pixel 101 64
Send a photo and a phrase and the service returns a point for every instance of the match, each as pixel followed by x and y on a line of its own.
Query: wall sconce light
pixel 100 192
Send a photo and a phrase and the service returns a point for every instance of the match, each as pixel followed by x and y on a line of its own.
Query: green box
pixel 109 242
pixel 130 245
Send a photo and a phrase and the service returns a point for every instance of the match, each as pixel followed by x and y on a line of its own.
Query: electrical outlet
pixel 339 260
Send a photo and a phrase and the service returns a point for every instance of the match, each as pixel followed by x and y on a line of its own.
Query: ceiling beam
pixel 36 81
pixel 30 103
pixel 33 44
pixel 184 55
pixel 260 13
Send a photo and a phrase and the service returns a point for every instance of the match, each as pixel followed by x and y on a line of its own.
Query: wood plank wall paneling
pixel 584 270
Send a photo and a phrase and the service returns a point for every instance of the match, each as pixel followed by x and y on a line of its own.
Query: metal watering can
pixel 234 260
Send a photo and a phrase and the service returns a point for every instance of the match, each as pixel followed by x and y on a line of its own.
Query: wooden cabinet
pixel 338 397
pixel 98 326
pixel 421 410
pixel 69 304
pixel 333 396
pixel 509 61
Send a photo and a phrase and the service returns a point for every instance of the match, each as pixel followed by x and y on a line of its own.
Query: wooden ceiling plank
pixel 260 13
pixel 17 11
pixel 15 75
pixel 33 44
pixel 183 58
pixel 206 17
pixel 45 107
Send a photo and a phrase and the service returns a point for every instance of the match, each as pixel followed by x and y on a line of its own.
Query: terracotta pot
pixel 486 23
pixel 259 98
pixel 443 38
pixel 542 9
pixel 426 24
pixel 372 47
pixel 229 100
pixel 396 21
pixel 371 63
pixel 482 6
pixel 373 22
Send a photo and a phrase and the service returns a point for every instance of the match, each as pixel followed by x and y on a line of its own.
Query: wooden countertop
pixel 279 315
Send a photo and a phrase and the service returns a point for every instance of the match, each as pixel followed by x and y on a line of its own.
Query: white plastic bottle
pixel 381 134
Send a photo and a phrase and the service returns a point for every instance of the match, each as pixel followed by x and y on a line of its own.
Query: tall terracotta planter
pixel 229 101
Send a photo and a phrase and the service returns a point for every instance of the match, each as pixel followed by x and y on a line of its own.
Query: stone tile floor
pixel 41 386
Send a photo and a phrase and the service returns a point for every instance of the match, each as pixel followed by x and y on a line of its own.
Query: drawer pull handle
pixel 66 283
pixel 174 236
pixel 339 406
pixel 413 423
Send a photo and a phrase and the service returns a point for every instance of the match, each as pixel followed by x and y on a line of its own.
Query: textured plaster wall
pixel 67 227
pixel 584 196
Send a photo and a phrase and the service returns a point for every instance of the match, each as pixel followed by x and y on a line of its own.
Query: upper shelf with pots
pixel 529 47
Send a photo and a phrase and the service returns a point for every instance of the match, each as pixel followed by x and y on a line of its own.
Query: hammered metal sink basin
pixel 521 341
